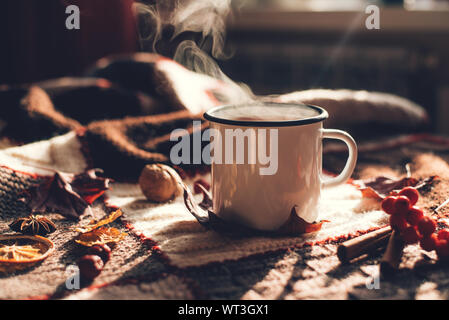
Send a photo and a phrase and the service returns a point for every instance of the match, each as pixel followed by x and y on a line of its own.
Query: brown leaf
pixel 102 235
pixel 369 192
pixel 67 194
pixel 294 226
pixel 381 187
pixel 56 194
pixel 89 186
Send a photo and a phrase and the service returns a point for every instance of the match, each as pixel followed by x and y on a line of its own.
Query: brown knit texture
pixel 137 270
pixel 123 147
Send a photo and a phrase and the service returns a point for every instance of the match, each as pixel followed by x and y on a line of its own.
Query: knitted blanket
pixel 126 107
pixel 168 255
pixel 122 119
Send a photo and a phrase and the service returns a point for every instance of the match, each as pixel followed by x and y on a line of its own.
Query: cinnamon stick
pixel 366 243
pixel 391 259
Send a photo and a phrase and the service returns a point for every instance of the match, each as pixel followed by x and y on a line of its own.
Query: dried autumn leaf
pixel 380 187
pixel 369 192
pixel 67 194
pixel 294 226
pixel 89 186
pixel 96 224
pixel 102 235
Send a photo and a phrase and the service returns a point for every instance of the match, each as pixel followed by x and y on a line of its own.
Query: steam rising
pixel 205 19
pixel 205 16
pixel 193 58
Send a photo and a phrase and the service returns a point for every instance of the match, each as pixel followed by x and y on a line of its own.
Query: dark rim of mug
pixel 323 115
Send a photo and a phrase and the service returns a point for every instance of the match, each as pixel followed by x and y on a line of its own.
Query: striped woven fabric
pixel 168 255
pixel 75 124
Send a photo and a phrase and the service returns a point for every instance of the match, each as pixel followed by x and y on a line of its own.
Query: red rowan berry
pixel 397 222
pixel 402 205
pixel 443 234
pixel 429 243
pixel 414 215
pixel 442 249
pixel 388 205
pixel 411 193
pixel 426 226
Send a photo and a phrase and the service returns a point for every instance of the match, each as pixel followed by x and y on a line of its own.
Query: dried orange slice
pixel 96 224
pixel 101 235
pixel 19 252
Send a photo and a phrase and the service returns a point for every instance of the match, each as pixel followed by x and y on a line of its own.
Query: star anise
pixel 33 224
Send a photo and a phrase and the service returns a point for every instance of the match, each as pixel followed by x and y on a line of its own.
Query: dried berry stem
pixel 441 205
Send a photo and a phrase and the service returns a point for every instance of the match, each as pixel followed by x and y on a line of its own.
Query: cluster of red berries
pixel 93 262
pixel 413 225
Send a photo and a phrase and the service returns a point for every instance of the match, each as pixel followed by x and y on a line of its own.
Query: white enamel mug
pixel 266 158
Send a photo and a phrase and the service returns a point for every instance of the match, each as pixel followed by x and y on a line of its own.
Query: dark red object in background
pixel 35 43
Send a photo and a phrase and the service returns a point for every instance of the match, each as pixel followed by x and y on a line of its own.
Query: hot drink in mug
pixel 267 158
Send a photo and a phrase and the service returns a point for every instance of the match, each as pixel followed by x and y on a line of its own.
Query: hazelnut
pixel 90 266
pixel 101 250
pixel 160 183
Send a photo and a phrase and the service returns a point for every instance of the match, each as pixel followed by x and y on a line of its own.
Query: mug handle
pixel 352 158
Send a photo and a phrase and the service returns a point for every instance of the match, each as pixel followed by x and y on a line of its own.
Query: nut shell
pixel 90 266
pixel 160 183
pixel 101 250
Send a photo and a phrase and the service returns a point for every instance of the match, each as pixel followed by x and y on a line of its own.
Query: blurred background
pixel 274 46
pixel 286 45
